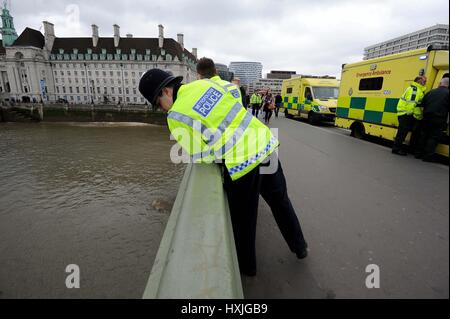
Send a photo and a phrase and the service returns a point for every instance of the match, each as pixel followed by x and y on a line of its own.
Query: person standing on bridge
pixel 435 117
pixel 218 128
pixel 244 95
pixel 278 103
pixel 269 105
pixel 409 113
pixel 255 102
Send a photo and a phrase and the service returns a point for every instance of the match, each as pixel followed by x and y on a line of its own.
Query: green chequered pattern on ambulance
pixel 291 102
pixel 368 109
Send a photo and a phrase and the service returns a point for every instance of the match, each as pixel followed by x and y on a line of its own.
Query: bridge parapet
pixel 197 256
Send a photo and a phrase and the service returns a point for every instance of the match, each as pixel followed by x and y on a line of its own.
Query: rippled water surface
pixel 82 194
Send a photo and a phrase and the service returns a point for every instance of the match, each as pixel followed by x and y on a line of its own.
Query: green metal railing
pixel 197 255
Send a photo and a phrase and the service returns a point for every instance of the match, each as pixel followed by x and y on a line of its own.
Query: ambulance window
pixel 289 90
pixel 372 84
pixel 308 94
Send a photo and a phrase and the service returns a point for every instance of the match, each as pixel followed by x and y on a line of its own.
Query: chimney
pixel 49 30
pixel 194 52
pixel 161 36
pixel 180 37
pixel 129 36
pixel 94 35
pixel 116 35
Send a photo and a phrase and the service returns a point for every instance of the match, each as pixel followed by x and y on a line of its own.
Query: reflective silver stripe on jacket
pixel 188 121
pixel 230 85
pixel 217 84
pixel 409 101
pixel 237 134
pixel 213 138
pixel 225 123
pixel 413 96
pixel 200 155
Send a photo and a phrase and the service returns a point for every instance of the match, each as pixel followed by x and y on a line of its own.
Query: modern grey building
pixel 273 82
pixel 437 34
pixel 281 74
pixel 246 72
pixel 274 85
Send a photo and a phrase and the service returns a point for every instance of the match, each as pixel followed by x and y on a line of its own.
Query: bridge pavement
pixel 358 205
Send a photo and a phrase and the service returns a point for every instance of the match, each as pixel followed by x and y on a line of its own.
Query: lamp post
pixel 52 71
pixel 88 83
pixel 93 90
pixel 123 85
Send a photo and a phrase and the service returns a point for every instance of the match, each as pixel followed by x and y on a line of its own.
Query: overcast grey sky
pixel 310 37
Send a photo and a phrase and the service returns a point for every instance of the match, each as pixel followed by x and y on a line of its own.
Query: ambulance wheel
pixel 358 130
pixel 286 114
pixel 312 118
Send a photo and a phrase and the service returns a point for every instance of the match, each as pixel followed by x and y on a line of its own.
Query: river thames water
pixel 94 195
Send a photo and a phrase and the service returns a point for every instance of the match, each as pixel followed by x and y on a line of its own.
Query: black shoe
pixel 400 152
pixel 303 253
pixel 418 156
pixel 249 272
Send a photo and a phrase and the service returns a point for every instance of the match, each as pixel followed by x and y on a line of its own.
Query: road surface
pixel 358 205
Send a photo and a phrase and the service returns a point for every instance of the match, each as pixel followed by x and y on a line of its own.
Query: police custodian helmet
pixel 153 81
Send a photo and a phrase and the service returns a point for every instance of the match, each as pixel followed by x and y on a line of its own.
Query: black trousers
pixel 277 110
pixel 267 116
pixel 406 124
pixel 255 109
pixel 243 196
pixel 431 132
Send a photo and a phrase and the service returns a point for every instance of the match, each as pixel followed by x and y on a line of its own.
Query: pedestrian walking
pixel 278 102
pixel 243 94
pixel 255 102
pixel 269 106
pixel 246 101
pixel 262 102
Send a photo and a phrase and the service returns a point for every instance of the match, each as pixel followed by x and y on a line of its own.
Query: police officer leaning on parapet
pixel 206 106
pixel 409 112
pixel 435 116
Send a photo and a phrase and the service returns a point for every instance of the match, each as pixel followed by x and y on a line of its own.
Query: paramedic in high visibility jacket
pixel 218 128
pixel 409 112
pixel 255 102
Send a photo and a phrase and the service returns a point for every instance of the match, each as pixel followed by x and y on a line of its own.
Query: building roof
pixel 125 45
pixel 30 37
pixel 282 72
pixel 34 38
pixel 436 26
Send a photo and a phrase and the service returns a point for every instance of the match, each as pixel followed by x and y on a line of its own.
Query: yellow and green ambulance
pixel 370 90
pixel 310 97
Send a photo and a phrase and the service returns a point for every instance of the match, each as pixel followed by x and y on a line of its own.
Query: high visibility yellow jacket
pixel 255 99
pixel 409 103
pixel 210 123
pixel 232 88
